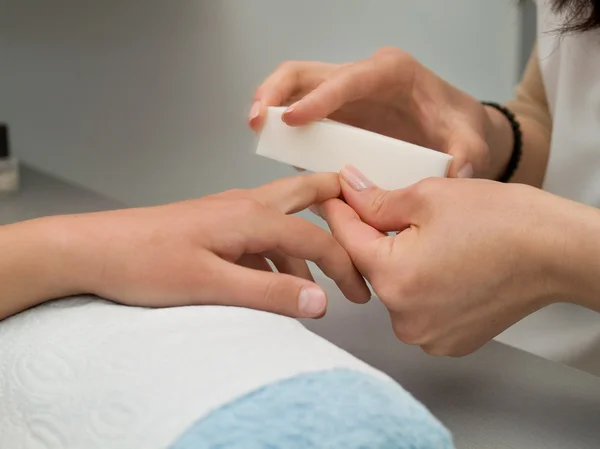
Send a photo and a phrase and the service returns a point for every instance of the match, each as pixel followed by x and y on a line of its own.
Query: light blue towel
pixel 337 409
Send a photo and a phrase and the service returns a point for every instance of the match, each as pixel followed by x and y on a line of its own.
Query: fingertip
pixel 362 297
pixel 312 301
pixel 255 124
pixel 355 288
pixel 458 161
pixel 470 155
pixel 256 116
pixel 362 294
pixel 320 317
pixel 289 117
pixel 460 168
pixel 465 172
pixel 296 115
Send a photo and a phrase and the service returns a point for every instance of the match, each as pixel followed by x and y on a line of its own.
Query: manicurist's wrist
pixel 500 139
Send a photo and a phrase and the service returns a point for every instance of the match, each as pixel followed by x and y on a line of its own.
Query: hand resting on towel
pixel 211 250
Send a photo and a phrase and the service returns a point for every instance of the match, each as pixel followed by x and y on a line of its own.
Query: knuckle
pixel 378 204
pixel 402 291
pixel 232 193
pixel 397 57
pixel 379 208
pixel 390 51
pixel 272 296
pixel 410 331
pixel 247 207
pixel 314 187
pixel 386 291
pixel 459 352
pixel 305 182
pixel 288 66
pixel 425 188
pixel 437 349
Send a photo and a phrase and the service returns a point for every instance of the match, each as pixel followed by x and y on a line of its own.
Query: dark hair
pixel 581 15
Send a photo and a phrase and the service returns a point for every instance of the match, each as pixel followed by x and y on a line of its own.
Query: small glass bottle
pixel 9 166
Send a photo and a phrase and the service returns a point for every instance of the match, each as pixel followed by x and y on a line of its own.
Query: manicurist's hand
pixel 391 93
pixel 471 258
pixel 212 250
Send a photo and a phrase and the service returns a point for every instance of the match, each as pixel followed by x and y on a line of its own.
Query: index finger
pixel 358 238
pixel 386 73
pixel 270 230
pixel 288 80
pixel 293 194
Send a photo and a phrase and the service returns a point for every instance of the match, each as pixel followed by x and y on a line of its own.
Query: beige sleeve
pixel 530 99
pixel 530 105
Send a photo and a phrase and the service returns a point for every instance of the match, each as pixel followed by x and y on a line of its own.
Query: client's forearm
pixel 35 265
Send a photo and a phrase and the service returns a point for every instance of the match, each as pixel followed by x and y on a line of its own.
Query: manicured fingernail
pixel 289 109
pixel 254 111
pixel 312 301
pixel 316 209
pixel 466 171
pixel 356 179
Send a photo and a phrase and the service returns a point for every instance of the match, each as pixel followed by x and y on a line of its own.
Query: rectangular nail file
pixel 327 146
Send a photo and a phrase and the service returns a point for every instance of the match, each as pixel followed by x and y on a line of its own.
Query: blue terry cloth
pixel 338 409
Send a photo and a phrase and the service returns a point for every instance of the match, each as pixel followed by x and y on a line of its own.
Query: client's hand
pixel 472 257
pixel 212 250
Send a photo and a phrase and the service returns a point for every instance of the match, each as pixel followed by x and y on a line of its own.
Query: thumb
pixel 470 154
pixel 357 237
pixel 385 210
pixel 278 293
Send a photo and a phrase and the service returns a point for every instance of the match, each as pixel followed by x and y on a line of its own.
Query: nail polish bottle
pixel 9 166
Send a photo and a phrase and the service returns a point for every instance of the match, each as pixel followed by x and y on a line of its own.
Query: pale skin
pixel 471 256
pixel 212 250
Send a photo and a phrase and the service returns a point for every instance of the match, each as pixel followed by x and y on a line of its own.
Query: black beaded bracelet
pixel 517 150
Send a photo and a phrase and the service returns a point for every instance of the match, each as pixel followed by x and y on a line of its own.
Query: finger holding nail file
pixel 328 146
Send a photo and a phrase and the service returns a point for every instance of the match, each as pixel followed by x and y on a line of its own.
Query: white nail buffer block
pixel 327 146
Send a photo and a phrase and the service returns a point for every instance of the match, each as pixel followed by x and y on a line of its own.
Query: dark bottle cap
pixel 4 142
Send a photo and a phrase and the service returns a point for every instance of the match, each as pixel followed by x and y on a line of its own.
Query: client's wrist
pixel 64 257
pixel 37 264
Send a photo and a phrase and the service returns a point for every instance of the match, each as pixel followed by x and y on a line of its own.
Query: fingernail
pixel 316 209
pixel 289 109
pixel 356 179
pixel 466 171
pixel 312 301
pixel 254 111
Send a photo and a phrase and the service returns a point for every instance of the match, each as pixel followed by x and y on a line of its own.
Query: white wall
pixel 146 101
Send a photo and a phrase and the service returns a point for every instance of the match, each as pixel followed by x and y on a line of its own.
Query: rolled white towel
pixel 85 373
